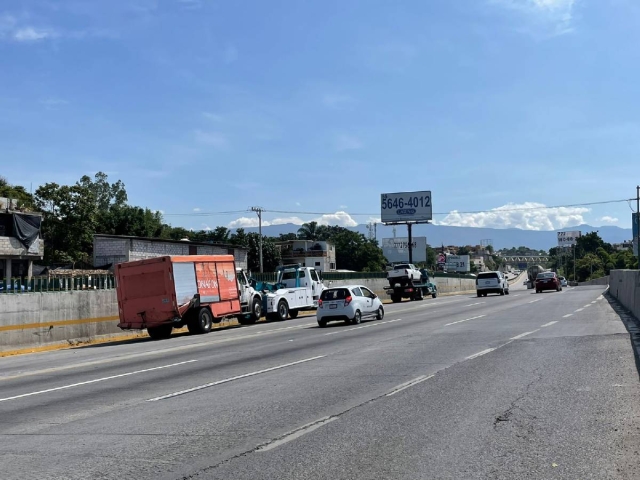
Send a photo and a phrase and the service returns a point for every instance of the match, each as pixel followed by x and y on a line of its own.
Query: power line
pixel 360 214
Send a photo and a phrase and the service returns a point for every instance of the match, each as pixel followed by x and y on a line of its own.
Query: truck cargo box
pixel 169 290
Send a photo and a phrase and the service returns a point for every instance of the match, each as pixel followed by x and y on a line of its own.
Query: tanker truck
pixel 532 273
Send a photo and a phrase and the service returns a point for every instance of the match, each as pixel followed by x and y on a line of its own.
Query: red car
pixel 547 281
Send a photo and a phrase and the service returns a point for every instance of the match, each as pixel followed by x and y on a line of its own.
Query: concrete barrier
pixel 38 319
pixel 625 286
pixel 596 281
pixel 33 320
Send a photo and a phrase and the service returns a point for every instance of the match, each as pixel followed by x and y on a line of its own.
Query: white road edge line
pixel 89 382
pixel 479 354
pixel 310 427
pixel 465 320
pixel 408 384
pixel 567 315
pixel 522 335
pixel 237 377
pixel 549 324
pixel 579 309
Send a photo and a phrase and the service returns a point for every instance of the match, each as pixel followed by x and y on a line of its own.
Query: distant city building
pixel 309 253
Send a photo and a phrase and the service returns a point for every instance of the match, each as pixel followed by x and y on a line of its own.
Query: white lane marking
pixel 549 324
pixel 479 354
pixel 237 377
pixel 567 315
pixel 472 304
pixel 517 295
pixel 410 383
pixel 96 380
pixel 310 427
pixel 587 305
pixel 595 301
pixel 522 335
pixel 364 326
pixel 465 320
pixel 579 309
pixel 534 301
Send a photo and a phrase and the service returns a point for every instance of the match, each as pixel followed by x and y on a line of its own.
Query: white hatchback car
pixel 349 303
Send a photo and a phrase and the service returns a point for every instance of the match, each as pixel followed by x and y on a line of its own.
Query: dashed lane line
pixel 231 379
pixel 96 380
pixel 567 315
pixel 465 320
pixel 549 324
pixel 522 335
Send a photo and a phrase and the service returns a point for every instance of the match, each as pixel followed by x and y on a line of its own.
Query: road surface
pixel 526 386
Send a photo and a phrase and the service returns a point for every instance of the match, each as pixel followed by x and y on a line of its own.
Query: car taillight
pixel 319 303
pixel 347 300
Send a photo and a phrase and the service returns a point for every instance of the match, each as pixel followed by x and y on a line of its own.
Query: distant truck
pixel 168 292
pixel 414 290
pixel 532 273
pixel 297 289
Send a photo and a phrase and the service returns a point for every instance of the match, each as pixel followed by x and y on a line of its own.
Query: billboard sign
pixel 396 249
pixel 458 263
pixel 406 207
pixel 567 239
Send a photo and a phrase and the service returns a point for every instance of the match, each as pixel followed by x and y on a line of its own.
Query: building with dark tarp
pixel 20 244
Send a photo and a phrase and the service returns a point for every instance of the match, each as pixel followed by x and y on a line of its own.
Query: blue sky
pixel 319 106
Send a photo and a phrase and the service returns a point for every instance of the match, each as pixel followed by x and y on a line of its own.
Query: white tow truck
pixel 297 289
pixel 250 300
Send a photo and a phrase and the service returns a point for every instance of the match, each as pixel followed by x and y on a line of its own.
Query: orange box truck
pixel 173 291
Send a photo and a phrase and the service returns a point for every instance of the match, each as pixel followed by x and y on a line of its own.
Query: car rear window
pixel 545 275
pixel 488 275
pixel 401 266
pixel 335 294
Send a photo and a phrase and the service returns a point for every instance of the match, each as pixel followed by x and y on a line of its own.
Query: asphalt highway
pixel 526 386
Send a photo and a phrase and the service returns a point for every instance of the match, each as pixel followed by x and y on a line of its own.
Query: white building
pixel 112 249
pixel 309 253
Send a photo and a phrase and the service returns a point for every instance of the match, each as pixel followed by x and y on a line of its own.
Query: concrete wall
pixel 596 281
pixel 625 286
pixel 39 319
pixel 11 247
pixel 444 284
pixel 111 250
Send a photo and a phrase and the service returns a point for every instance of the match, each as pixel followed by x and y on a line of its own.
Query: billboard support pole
pixel 638 223
pixel 410 243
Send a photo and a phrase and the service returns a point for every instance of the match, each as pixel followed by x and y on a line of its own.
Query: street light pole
pixel 638 222
pixel 259 210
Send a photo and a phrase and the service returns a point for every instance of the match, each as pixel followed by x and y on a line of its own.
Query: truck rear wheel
pixel 435 294
pixel 161 332
pixel 396 298
pixel 283 310
pixel 245 319
pixel 293 313
pixel 200 323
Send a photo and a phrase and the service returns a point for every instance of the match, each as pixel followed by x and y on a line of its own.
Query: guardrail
pixel 24 285
pixel 328 276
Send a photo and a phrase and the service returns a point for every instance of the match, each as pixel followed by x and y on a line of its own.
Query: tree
pixel 287 237
pixel 464 250
pixel 17 192
pixel 270 253
pixel 70 219
pixel 239 238
pixel 308 231
pixel 356 252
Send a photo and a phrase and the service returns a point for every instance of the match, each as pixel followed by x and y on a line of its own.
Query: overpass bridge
pixel 528 259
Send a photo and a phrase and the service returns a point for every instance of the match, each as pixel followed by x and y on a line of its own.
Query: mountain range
pixel 445 235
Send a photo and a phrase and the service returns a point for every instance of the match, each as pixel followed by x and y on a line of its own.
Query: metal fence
pixel 20 285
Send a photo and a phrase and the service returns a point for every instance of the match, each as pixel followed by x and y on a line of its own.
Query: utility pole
pixel 259 211
pixel 638 223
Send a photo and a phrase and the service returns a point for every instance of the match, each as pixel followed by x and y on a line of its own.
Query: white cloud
pixel 206 227
pixel 297 204
pixel 342 219
pixel 215 139
pixel 342 207
pixel 31 34
pixel 212 116
pixel 286 220
pixel 526 216
pixel 552 17
pixel 609 220
pixel 347 142
pixel 332 100
pixel 197 209
pixel 374 220
pixel 247 222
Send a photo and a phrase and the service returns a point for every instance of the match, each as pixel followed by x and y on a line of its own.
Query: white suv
pixel 491 282
pixel 348 303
